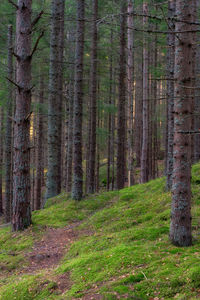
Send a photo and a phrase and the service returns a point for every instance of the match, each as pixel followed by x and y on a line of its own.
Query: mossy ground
pixel 123 252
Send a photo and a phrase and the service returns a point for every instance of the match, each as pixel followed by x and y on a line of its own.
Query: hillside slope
pixel 121 249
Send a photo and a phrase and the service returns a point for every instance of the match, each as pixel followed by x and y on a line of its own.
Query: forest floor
pixel 113 245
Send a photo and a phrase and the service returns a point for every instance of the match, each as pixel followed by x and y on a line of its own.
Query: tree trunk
pixel 138 126
pixel 93 100
pixel 144 159
pixel 8 136
pixel 21 218
pixel 130 91
pixel 60 93
pixel 180 229
pixel 53 178
pixel 121 121
pixel 110 114
pixel 170 94
pixel 1 158
pixel 77 188
pixel 39 147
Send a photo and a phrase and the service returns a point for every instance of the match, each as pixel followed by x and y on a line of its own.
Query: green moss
pixel 28 288
pixel 124 251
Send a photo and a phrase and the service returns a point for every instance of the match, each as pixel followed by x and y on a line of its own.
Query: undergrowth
pixel 123 251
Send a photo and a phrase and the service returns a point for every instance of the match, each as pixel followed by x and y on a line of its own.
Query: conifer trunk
pixel 8 135
pixel 144 158
pixel 39 149
pixel 1 158
pixel 54 114
pixel 121 120
pixel 21 217
pixel 93 100
pixel 130 75
pixel 77 188
pixel 180 229
pixel 170 94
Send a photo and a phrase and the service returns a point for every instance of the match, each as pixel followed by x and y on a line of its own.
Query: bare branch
pixel 28 116
pixel 13 82
pixel 37 19
pixel 36 44
pixel 14 4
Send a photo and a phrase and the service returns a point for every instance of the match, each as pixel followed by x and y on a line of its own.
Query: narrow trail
pixel 47 253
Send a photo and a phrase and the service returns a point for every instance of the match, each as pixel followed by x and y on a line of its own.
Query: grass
pixel 123 252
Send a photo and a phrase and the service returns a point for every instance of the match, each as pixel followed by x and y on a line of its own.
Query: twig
pixel 144 275
pixel 14 4
pixel 13 82
pixel 37 19
pixel 36 44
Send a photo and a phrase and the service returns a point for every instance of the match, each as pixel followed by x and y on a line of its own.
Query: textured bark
pixel 130 91
pixel 77 188
pixel 1 158
pixel 121 120
pixel 60 92
pixel 70 138
pixel 21 218
pixel 170 94
pixel 39 148
pixel 144 158
pixel 180 229
pixel 8 135
pixel 197 101
pixel 93 101
pixel 154 116
pixel 138 108
pixel 54 140
pixel 110 115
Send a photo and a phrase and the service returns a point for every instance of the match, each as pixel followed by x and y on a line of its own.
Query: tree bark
pixel 77 188
pixel 60 92
pixel 93 100
pixel 180 228
pixel 21 218
pixel 121 121
pixel 144 158
pixel 1 157
pixel 39 149
pixel 130 91
pixel 8 136
pixel 170 94
pixel 53 178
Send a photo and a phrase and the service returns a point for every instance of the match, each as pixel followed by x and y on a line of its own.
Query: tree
pixel 77 188
pixel 180 228
pixel 21 218
pixel 121 118
pixel 93 100
pixel 170 93
pixel 145 135
pixel 130 71
pixel 54 113
pixel 8 135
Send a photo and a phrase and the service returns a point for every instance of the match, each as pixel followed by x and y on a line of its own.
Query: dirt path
pixel 47 253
